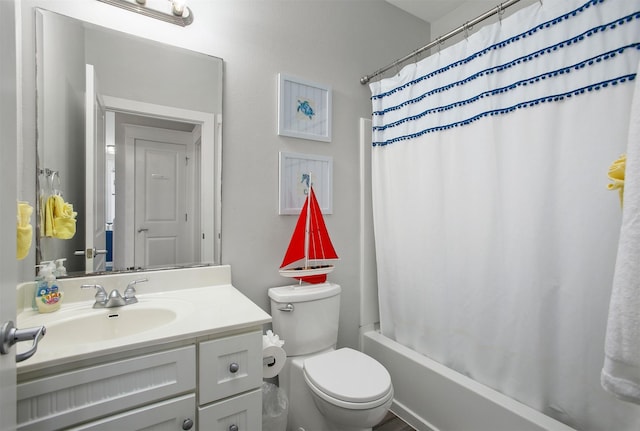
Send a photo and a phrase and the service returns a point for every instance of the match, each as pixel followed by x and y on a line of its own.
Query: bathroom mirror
pixel 129 133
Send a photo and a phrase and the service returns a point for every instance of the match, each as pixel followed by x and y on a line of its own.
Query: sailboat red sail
pixel 310 242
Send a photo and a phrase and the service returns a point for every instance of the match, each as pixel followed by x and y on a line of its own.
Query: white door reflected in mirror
pixel 163 214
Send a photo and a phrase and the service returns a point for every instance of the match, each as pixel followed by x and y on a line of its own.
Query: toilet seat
pixel 348 378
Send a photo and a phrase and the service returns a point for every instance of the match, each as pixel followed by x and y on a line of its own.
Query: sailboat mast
pixel 307 226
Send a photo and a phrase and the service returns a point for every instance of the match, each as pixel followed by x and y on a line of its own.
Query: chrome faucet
pixel 101 294
pixel 114 299
pixel 130 291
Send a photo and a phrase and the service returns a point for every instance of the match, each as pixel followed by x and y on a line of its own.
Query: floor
pixel 392 423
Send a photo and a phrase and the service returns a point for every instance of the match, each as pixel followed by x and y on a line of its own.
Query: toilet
pixel 328 389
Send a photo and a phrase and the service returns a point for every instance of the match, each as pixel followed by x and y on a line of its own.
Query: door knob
pixel 10 335
pixel 143 229
pixel 89 253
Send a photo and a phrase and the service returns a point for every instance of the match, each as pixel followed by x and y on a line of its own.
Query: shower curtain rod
pixel 465 27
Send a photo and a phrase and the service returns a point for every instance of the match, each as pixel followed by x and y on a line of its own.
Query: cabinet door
pixel 229 366
pixel 171 415
pixel 241 413
pixel 62 400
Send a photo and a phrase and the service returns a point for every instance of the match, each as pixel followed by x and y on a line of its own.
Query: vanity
pixel 186 356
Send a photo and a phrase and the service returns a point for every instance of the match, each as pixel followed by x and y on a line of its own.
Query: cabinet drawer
pixel 69 398
pixel 170 415
pixel 244 411
pixel 229 366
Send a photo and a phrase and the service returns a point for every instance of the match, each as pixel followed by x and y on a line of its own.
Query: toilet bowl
pixel 352 390
pixel 328 389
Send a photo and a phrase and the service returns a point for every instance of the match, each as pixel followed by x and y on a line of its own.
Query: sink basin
pixel 107 324
pixel 77 327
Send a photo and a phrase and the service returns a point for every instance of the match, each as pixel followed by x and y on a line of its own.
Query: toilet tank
pixel 306 316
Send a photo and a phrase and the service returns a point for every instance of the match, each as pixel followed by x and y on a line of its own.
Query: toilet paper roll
pixel 273 358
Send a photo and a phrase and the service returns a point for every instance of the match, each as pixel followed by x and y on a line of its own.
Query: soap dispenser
pixel 61 271
pixel 40 284
pixel 48 297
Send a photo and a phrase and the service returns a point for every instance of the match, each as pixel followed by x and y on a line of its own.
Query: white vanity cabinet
pixel 229 381
pixel 127 386
pixel 156 391
pixel 174 414
pixel 201 369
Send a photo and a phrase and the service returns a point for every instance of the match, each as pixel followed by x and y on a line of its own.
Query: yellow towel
pixel 47 226
pixel 616 174
pixel 59 218
pixel 24 230
pixel 64 219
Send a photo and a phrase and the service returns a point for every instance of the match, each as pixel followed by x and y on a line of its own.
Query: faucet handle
pixel 130 291
pixel 101 294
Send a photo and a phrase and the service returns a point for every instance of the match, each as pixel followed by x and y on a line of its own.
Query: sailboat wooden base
pixel 311 274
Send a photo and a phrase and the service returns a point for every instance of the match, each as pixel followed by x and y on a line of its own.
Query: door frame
pixel 10 154
pixel 210 159
pixel 95 175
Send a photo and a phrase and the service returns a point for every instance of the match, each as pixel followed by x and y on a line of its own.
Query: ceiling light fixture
pixel 173 11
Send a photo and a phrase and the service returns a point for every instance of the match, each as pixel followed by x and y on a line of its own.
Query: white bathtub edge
pixel 456 393
pixel 410 417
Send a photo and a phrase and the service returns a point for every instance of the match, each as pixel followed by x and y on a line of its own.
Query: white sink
pixel 106 324
pixel 81 325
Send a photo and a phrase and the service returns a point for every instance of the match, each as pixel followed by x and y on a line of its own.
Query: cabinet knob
pixel 234 367
pixel 233 427
pixel 187 424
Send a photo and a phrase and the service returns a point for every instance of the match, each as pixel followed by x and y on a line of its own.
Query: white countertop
pixel 200 311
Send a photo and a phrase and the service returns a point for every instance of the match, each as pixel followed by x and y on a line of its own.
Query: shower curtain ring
pixel 500 12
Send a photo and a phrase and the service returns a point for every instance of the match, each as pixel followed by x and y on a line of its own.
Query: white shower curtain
pixel 496 235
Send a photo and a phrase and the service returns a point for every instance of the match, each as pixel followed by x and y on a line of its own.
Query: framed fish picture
pixel 304 109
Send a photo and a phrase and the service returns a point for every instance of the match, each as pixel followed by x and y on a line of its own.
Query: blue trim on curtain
pixel 522 59
pixel 407 109
pixel 495 46
pixel 500 90
pixel 526 104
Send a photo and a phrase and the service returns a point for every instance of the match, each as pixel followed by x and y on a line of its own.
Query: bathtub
pixel 432 397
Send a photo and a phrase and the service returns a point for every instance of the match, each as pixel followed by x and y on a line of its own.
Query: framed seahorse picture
pixel 304 109
pixel 297 171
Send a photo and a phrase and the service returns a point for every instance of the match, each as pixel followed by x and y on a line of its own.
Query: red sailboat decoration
pixel 310 242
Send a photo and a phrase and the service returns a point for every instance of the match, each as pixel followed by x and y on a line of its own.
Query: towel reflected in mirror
pixel 59 218
pixel 24 230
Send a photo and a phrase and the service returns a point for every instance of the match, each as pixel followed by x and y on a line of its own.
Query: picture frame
pixel 292 181
pixel 304 109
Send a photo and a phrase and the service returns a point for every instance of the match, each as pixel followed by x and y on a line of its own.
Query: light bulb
pixel 177 6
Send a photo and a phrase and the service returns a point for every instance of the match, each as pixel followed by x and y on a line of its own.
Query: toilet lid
pixel 348 375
